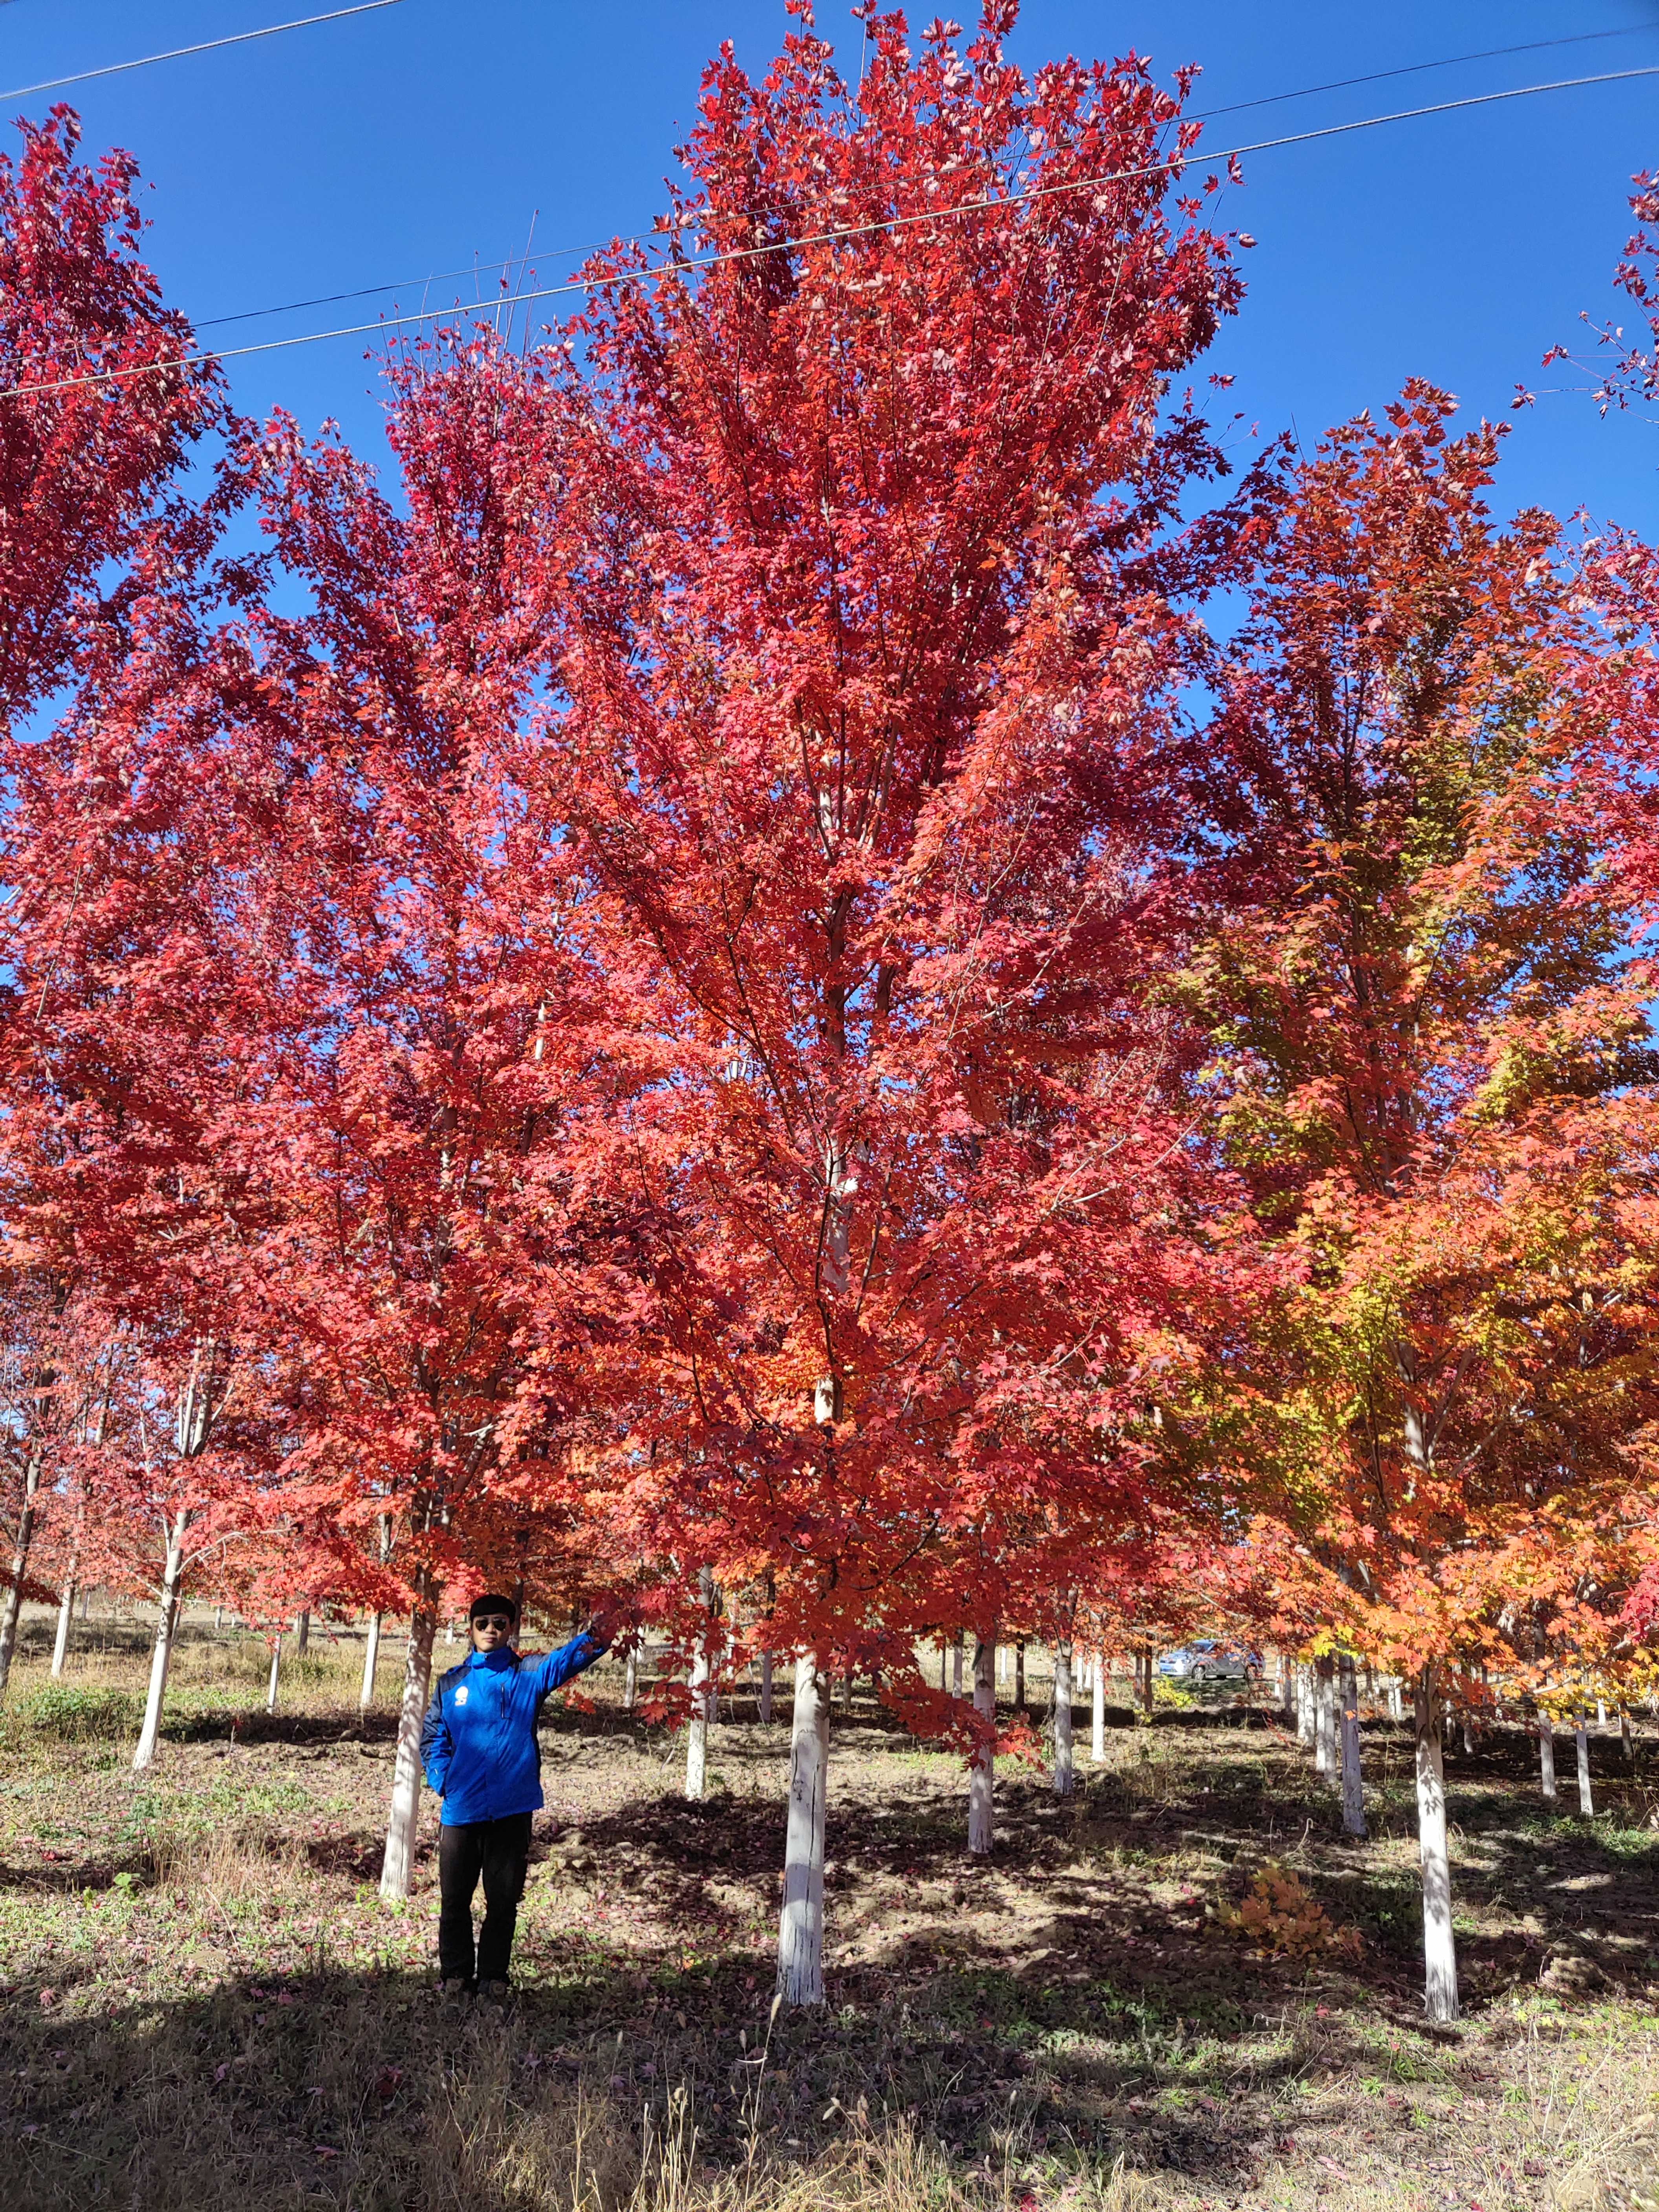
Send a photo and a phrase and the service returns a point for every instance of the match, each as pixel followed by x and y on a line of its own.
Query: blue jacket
pixel 478 1745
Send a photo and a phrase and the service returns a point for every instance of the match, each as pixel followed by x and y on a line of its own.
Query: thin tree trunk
pixel 1064 1774
pixel 1627 1742
pixel 371 1665
pixel 1586 1802
pixel 1019 1675
pixel 276 1673
pixel 66 1616
pixel 1396 1701
pixel 956 1666
pixel 1353 1794
pixel 944 1665
pixel 166 1624
pixel 1306 1710
pixel 800 1925
pixel 696 1732
pixel 1097 1744
pixel 631 1680
pixel 1439 1945
pixel 1146 1679
pixel 766 1690
pixel 405 1818
pixel 303 1633
pixel 702 1694
pixel 1325 1719
pixel 980 1774
pixel 20 1567
pixel 1546 1756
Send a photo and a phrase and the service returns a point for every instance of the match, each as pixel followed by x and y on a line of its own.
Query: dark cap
pixel 492 1601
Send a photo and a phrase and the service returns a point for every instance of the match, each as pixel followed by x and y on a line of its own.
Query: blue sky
pixel 407 142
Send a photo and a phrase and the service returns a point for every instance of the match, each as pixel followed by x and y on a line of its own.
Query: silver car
pixel 1208 1661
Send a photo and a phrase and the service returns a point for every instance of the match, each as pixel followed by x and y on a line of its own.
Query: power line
pixel 693 264
pixel 207 46
pixel 1206 114
pixel 1416 68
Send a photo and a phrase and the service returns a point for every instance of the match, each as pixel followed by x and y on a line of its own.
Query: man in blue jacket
pixel 481 1756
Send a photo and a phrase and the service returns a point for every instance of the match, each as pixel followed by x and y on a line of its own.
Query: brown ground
pixel 206 2006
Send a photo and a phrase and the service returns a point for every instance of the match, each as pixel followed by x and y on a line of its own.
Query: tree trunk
pixel 166 1624
pixel 1097 1746
pixel 1586 1802
pixel 66 1616
pixel 1546 1756
pixel 399 1862
pixel 766 1690
pixel 1325 1719
pixel 1019 1675
pixel 276 1673
pixel 631 1681
pixel 1353 1794
pixel 371 1665
pixel 20 1567
pixel 303 1633
pixel 980 1774
pixel 944 1665
pixel 1305 1710
pixel 1063 1771
pixel 956 1666
pixel 1146 1680
pixel 800 1926
pixel 1627 1742
pixel 1439 1945
pixel 696 1730
pixel 1396 1701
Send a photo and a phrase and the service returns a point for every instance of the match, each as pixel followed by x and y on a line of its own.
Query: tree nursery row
pixel 826 984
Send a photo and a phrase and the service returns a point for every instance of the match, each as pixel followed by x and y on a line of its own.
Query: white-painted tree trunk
pixel 800 1925
pixel 766 1690
pixel 167 1625
pixel 1586 1802
pixel 1064 1774
pixel 697 1728
pixel 1097 1744
pixel 1325 1719
pixel 1546 1756
pixel 1353 1792
pixel 371 1664
pixel 1600 1712
pixel 631 1680
pixel 66 1616
pixel 981 1773
pixel 276 1673
pixel 1002 1662
pixel 1304 1705
pixel 1439 1944
pixel 403 1822
pixel 20 1568
pixel 1396 1701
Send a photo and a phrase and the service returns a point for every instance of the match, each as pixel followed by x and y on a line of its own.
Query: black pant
pixel 497 1849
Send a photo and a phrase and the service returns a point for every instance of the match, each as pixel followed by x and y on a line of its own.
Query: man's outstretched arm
pixel 557 1667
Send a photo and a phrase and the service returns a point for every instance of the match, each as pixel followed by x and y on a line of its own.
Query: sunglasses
pixel 491 1620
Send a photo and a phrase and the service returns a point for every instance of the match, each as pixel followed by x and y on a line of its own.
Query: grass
pixel 205 2006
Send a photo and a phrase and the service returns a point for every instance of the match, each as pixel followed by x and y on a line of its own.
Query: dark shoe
pixel 455 1989
pixel 496 1992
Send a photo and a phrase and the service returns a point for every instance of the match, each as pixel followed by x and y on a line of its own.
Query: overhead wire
pixel 1199 115
pixel 1416 68
pixel 206 46
pixel 694 263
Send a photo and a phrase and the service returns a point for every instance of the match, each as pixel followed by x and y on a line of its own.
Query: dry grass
pixel 205 2006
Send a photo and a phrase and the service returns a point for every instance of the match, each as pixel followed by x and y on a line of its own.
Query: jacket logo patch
pixel 460 1695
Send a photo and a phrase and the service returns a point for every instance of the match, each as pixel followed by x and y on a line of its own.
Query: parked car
pixel 1209 1660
